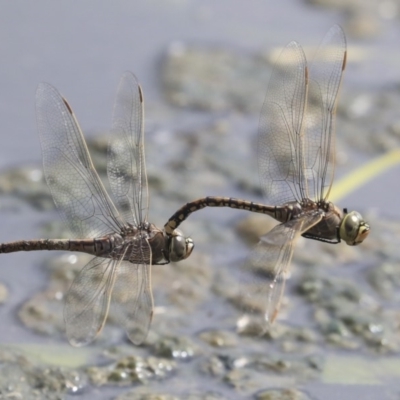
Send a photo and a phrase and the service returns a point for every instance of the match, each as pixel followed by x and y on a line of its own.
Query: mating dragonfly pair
pixel 296 164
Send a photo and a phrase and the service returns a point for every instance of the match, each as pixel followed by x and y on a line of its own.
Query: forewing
pixel 265 272
pixel 280 147
pixel 132 300
pixel 324 82
pixel 88 299
pixel 76 188
pixel 126 160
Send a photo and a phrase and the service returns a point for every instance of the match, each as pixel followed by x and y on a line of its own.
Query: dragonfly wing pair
pixel 261 291
pixel 103 283
pixel 90 213
pixel 126 158
pixel 296 145
pixel 295 155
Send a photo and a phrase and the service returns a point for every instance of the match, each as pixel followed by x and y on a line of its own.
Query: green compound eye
pixel 353 229
pixel 180 247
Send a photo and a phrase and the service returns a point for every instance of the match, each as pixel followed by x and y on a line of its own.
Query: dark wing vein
pixel 263 278
pixel 132 300
pixel 280 145
pixel 88 299
pixel 76 188
pixel 326 73
pixel 126 160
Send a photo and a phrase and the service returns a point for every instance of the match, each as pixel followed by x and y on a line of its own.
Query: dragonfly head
pixel 180 247
pixel 353 229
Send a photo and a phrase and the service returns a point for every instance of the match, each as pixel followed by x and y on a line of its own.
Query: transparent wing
pixel 126 160
pixel 267 268
pixel 324 82
pixel 76 188
pixel 280 147
pixel 132 300
pixel 88 299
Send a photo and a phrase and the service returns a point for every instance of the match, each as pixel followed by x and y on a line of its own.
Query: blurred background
pixel 204 68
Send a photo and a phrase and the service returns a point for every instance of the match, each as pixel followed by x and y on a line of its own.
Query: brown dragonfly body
pixel 326 230
pixel 296 161
pixel 117 233
pixel 115 246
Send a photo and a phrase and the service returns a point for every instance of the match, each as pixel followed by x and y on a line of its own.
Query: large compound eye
pixel 179 246
pixel 353 229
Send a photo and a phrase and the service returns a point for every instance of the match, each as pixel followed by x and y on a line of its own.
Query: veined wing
pixel 324 82
pixel 76 188
pixel 280 143
pixel 132 299
pixel 262 294
pixel 126 160
pixel 88 300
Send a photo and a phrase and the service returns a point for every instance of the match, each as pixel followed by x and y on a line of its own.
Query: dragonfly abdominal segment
pixel 280 213
pixel 90 246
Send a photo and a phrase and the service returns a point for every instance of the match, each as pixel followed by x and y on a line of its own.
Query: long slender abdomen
pixel 211 201
pixel 99 247
pixel 33 245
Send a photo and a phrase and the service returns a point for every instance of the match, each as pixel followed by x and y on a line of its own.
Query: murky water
pixel 204 70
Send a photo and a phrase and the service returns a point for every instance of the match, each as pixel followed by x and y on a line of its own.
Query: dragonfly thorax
pixel 162 248
pixel 327 229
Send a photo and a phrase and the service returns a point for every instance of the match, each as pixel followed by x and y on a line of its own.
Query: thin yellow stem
pixel 363 175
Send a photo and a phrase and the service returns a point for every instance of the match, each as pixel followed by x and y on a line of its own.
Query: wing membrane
pixel 326 73
pixel 266 270
pixel 296 153
pixel 88 299
pixel 280 147
pixel 76 188
pixel 132 300
pixel 126 160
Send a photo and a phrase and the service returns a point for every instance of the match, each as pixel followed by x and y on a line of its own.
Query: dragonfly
pixel 117 233
pixel 296 161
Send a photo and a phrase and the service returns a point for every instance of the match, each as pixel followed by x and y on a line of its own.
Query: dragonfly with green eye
pixel 117 233
pixel 296 160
